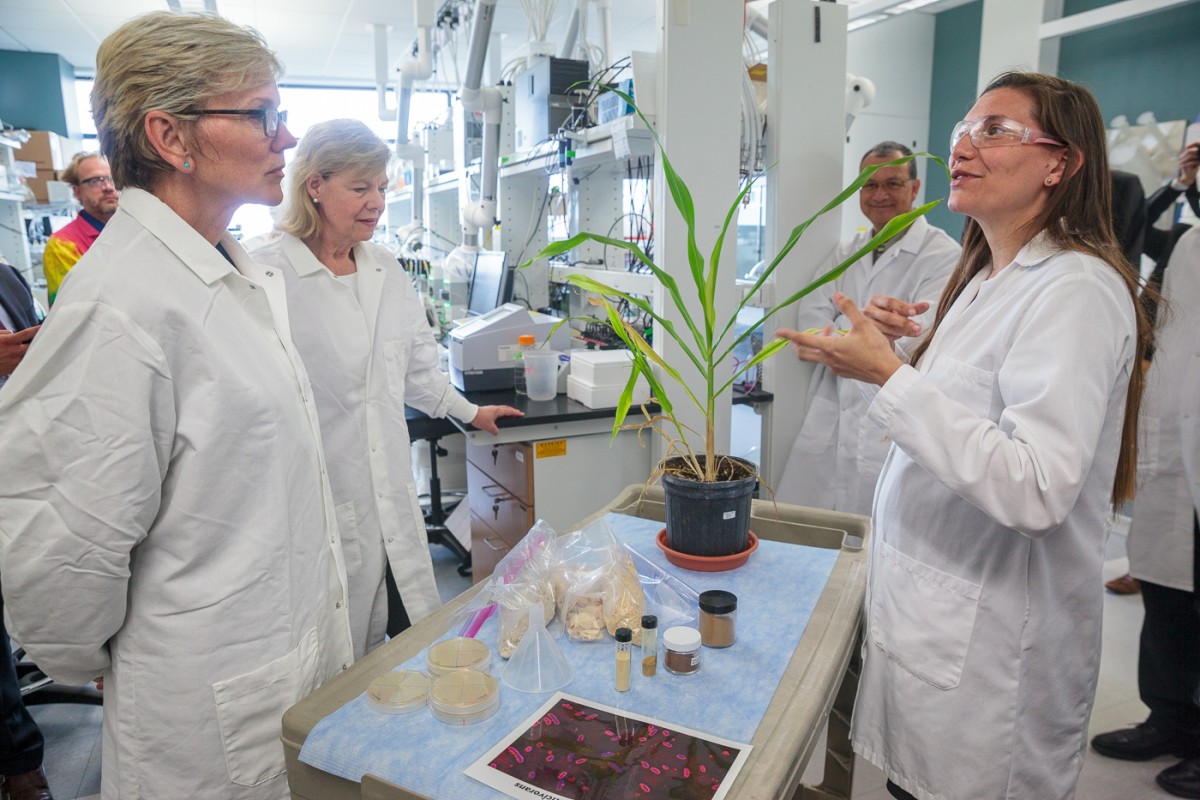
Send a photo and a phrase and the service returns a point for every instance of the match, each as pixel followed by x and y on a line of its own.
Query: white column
pixel 698 108
pixel 806 134
pixel 1009 38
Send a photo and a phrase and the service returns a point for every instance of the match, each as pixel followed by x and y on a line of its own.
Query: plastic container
pixel 464 697
pixel 457 653
pixel 401 692
pixel 541 373
pixel 718 618
pixel 681 650
pixel 525 343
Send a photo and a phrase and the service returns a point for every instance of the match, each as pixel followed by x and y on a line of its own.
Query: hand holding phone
pixel 13 345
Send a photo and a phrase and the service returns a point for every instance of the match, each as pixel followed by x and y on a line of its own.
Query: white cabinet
pixel 14 242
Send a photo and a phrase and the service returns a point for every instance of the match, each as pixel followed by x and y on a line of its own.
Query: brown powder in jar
pixel 716 630
pixel 682 663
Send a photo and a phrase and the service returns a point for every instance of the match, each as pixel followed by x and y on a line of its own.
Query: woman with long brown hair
pixel 1014 424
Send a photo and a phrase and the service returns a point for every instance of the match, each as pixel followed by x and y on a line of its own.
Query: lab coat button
pixel 270 274
pixel 338 604
pixel 345 667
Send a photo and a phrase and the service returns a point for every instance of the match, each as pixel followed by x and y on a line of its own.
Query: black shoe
pixel 1143 743
pixel 1181 780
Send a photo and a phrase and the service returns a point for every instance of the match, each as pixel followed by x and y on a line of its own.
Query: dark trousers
pixel 398 621
pixel 20 740
pixel 1169 659
pixel 898 793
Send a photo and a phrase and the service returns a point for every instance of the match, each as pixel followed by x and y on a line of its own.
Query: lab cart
pixel 817 687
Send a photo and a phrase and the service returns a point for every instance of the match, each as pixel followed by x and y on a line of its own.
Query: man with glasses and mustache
pixel 92 182
pixel 836 458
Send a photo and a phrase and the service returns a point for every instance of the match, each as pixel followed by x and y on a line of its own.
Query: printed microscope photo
pixel 576 751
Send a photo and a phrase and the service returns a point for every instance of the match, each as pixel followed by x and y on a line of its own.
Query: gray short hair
pixel 168 62
pixel 888 150
pixel 328 148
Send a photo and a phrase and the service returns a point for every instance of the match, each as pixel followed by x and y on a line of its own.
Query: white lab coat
pixel 836 458
pixel 362 377
pixel 1160 533
pixel 984 595
pixel 165 521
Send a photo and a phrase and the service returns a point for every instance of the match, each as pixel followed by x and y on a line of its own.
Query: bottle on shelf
pixel 525 343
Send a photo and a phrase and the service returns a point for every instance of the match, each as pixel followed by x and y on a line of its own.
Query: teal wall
pixel 955 66
pixel 37 91
pixel 1151 63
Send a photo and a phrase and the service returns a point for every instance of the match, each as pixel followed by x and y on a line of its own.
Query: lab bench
pixel 815 687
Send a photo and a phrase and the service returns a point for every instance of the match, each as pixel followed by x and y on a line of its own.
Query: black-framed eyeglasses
pixel 98 181
pixel 271 118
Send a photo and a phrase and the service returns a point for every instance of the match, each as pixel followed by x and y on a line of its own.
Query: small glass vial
pixel 525 343
pixel 718 615
pixel 624 638
pixel 649 645
pixel 681 650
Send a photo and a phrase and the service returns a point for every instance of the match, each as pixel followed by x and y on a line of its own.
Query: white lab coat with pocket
pixel 362 376
pixel 1161 539
pixel 836 458
pixel 984 596
pixel 165 520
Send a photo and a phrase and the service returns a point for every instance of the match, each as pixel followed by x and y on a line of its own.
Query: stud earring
pixel 187 165
pixel 1049 181
pixel 315 201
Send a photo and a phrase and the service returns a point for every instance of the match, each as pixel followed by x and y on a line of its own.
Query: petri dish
pixel 464 696
pixel 400 692
pixel 459 653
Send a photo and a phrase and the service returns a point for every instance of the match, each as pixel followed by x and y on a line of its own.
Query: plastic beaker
pixel 538 665
pixel 541 373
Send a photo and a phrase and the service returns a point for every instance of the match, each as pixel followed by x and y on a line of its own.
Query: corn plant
pixel 706 342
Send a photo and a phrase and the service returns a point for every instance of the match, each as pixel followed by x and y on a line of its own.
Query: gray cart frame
pixel 818 686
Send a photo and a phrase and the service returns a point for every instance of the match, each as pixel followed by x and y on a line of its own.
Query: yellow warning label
pixel 550 449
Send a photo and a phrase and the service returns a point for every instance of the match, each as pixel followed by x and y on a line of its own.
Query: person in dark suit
pixel 20 319
pixel 21 744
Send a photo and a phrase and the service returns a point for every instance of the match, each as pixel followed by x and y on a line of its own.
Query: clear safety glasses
pixel 271 118
pixel 999 132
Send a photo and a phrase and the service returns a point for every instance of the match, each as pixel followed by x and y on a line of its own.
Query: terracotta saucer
pixel 707 563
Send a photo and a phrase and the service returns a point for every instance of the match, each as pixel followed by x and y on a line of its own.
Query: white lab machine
pixel 482 349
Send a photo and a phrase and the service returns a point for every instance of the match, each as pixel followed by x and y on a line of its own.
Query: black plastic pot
pixel 709 519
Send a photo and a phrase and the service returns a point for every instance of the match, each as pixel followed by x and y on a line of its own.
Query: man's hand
pixel 485 418
pixel 13 346
pixel 1189 162
pixel 864 353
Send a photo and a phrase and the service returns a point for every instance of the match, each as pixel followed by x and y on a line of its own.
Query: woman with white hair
pixel 369 351
pixel 166 521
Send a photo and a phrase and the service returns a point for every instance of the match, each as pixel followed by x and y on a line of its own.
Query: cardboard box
pixel 40 185
pixel 45 148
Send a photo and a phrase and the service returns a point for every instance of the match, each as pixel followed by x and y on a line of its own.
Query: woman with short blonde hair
pixel 165 521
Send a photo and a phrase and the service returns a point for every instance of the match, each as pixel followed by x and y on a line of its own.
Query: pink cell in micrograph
pixel 669 744
pixel 650 729
pixel 551 719
pixel 644 788
pixel 562 774
pixel 656 770
pixel 591 716
pixel 645 765
pixel 682 756
pixel 528 748
pixel 687 773
pixel 703 769
pixel 520 759
pixel 549 757
pixel 580 738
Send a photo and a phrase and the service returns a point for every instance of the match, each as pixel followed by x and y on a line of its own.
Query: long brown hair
pixel 1077 217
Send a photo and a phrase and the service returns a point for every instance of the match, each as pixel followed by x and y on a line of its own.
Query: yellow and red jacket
pixel 65 246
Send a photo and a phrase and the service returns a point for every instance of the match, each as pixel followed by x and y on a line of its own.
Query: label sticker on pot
pixel 729 515
pixel 551 448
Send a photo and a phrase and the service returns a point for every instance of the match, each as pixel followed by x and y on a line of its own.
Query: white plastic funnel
pixel 538 665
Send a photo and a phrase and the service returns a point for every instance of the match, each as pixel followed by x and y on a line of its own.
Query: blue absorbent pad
pixel 776 590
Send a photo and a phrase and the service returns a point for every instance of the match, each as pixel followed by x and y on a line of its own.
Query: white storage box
pixel 601 367
pixel 605 395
